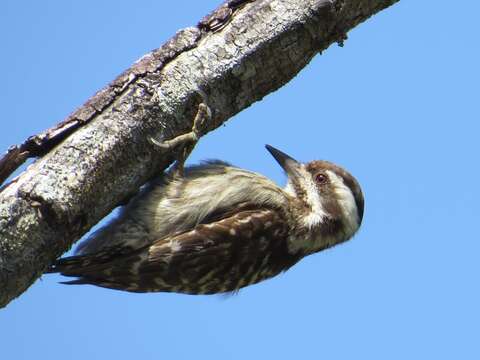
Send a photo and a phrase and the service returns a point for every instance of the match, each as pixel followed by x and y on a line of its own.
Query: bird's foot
pixel 188 140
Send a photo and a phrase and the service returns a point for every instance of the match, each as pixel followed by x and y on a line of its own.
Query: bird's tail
pixel 96 269
pixel 81 264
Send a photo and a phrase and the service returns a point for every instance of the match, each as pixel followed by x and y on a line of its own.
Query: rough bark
pixel 91 161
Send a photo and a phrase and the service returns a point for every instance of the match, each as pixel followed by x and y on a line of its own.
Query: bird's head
pixel 329 198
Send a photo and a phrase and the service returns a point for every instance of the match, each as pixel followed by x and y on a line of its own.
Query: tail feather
pixel 80 281
pixel 101 283
pixel 82 264
pixel 96 269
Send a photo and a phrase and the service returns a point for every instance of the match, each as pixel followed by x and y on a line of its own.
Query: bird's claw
pixel 188 140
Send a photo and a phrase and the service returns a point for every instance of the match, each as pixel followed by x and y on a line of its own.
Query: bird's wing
pixel 205 194
pixel 220 256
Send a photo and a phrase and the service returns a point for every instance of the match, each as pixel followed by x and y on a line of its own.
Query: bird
pixel 217 228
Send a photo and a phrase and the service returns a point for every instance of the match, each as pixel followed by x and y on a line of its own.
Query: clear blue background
pixel 397 106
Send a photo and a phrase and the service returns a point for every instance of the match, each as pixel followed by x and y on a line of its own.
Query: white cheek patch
pixel 289 189
pixel 346 201
pixel 317 214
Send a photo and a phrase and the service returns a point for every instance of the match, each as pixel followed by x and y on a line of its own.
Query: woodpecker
pixel 216 228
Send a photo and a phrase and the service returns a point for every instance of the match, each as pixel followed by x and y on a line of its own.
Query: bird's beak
pixel 289 164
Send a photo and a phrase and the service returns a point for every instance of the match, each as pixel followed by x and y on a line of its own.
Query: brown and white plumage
pixel 219 228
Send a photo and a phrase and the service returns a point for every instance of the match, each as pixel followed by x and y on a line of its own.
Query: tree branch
pixel 100 154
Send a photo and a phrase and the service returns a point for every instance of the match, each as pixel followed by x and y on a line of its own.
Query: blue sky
pixel 397 106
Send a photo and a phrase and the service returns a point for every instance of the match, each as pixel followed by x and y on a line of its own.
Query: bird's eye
pixel 321 178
